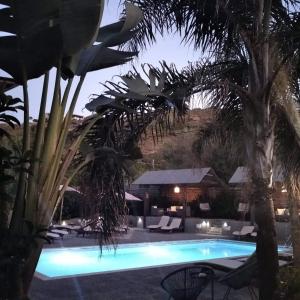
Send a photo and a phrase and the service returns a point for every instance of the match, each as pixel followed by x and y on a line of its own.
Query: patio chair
pixel 164 220
pixel 174 225
pixel 86 226
pixel 188 282
pixel 245 231
pixel 227 264
pixel 241 277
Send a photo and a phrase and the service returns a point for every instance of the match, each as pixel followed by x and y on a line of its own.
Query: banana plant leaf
pixel 6 2
pixel 104 102
pixel 121 31
pixel 133 16
pixel 138 85
pixel 99 57
pixel 105 32
pixel 35 60
pixel 127 95
pixel 118 38
pixel 46 30
pixel 99 101
pixel 80 21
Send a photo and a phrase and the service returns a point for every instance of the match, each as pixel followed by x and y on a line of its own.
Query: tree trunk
pixel 266 244
pixel 260 145
pixel 11 287
pixel 31 264
pixel 294 220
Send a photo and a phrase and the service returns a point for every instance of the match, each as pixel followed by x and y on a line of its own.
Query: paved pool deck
pixel 143 284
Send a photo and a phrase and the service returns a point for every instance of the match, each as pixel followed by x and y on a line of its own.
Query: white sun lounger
pixel 246 230
pixel 60 232
pixel 224 264
pixel 164 220
pixel 175 225
pixel 52 236
pixel 66 227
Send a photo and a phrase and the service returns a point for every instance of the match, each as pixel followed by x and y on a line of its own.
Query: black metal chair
pixel 188 282
pixel 240 278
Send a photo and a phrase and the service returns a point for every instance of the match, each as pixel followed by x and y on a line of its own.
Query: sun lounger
pixel 245 231
pixel 88 230
pixel 204 206
pixel 121 229
pixel 226 264
pixel 60 232
pixel 86 227
pixel 174 226
pixel 66 227
pixel 51 236
pixel 164 220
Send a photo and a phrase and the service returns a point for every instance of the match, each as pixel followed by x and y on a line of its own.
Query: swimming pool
pixel 67 262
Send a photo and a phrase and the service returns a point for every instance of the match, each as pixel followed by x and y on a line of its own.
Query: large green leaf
pixel 7 23
pixel 120 32
pixel 36 60
pixel 133 16
pixel 98 57
pixel 97 102
pixel 45 30
pixel 105 32
pixel 36 46
pixel 80 22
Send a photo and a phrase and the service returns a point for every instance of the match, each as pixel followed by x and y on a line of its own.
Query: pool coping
pixel 43 277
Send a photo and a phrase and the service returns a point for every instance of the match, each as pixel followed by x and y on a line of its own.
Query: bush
pixel 223 206
pixel 289 284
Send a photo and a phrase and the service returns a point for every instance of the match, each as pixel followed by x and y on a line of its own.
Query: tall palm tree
pixel 248 31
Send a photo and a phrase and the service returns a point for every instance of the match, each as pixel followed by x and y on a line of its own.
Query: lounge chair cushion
pixel 244 231
pixel 175 225
pixel 164 220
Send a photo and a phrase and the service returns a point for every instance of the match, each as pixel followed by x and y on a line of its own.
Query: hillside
pixel 173 151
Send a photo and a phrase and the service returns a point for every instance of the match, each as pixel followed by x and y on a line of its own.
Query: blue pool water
pixel 65 262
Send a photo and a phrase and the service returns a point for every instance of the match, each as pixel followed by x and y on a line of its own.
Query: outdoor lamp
pixel 63 223
pixel 225 224
pixel 140 222
pixel 176 189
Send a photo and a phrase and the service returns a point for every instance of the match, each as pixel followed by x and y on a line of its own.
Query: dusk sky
pixel 168 48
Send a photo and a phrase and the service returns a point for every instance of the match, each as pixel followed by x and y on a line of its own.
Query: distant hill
pixel 173 151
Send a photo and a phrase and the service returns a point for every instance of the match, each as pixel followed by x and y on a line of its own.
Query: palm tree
pixel 247 31
pixel 129 109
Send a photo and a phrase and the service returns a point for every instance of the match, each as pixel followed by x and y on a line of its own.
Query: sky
pixel 168 48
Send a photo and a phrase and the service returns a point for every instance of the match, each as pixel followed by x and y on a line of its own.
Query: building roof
pixel 241 175
pixel 182 176
pixel 130 197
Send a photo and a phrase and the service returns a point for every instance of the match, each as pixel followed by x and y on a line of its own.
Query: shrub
pixel 289 284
